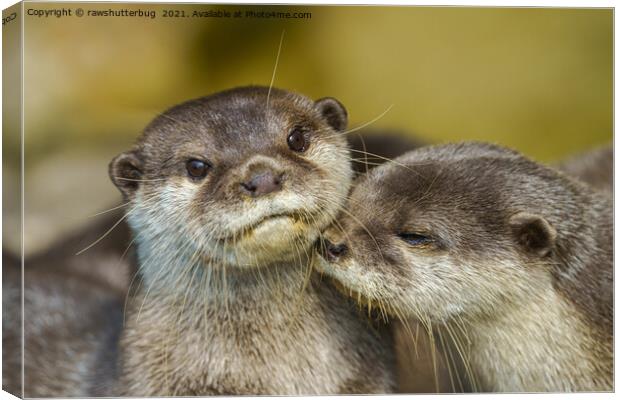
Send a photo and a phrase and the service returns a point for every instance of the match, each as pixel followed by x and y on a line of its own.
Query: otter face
pixel 443 231
pixel 244 177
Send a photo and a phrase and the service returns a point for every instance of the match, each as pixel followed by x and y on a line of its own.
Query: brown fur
pixel 518 264
pixel 71 330
pixel 224 308
pixel 594 167
pixel 304 341
pixel 110 266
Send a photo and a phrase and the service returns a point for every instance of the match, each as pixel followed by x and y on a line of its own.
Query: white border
pixel 478 3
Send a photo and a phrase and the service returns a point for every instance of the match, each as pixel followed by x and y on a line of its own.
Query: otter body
pixel 594 167
pixel 513 258
pixel 254 340
pixel 71 329
pixel 226 196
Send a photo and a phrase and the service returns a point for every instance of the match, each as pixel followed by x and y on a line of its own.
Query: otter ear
pixel 333 111
pixel 533 232
pixel 126 171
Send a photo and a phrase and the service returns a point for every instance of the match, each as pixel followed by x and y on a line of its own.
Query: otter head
pixel 447 230
pixel 242 178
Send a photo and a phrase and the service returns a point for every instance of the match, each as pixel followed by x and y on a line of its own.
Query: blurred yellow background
pixel 535 79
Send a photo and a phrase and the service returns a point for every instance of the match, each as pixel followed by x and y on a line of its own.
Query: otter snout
pixel 332 252
pixel 262 183
pixel 260 176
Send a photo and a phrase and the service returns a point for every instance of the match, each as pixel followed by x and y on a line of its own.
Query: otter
pixel 226 195
pixel 513 257
pixel 94 283
pixel 71 327
pixel 73 308
pixel 594 167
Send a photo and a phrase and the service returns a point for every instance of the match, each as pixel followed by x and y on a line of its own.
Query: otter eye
pixel 297 140
pixel 196 168
pixel 415 239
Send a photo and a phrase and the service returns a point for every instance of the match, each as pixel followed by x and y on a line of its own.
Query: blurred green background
pixel 536 79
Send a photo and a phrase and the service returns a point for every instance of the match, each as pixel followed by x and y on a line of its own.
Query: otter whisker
pixel 103 236
pixel 139 180
pixel 275 67
pixel 372 121
pixel 446 360
pixel 364 227
pixel 388 160
pixel 129 288
pixel 346 199
pixel 162 269
pixel 448 350
pixel 364 149
pixel 299 241
pixel 190 266
pixel 433 355
pixel 465 359
pixel 108 210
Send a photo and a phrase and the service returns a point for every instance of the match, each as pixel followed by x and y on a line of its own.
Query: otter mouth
pixel 248 230
pixel 348 291
pixel 320 267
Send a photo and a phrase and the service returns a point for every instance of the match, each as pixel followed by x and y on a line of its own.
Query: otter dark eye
pixel 415 239
pixel 297 140
pixel 196 168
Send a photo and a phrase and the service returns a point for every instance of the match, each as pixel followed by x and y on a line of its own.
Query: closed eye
pixel 415 239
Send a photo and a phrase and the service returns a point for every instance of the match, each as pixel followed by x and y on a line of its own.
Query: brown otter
pixel 226 195
pixel 110 264
pixel 71 327
pixel 73 315
pixel 93 285
pixel 515 256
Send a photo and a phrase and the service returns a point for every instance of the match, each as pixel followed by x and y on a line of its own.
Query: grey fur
pixel 109 266
pixel 227 308
pixel 518 264
pixel 594 167
pixel 71 332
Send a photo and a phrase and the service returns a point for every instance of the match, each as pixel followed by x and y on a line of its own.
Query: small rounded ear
pixel 126 171
pixel 333 111
pixel 533 232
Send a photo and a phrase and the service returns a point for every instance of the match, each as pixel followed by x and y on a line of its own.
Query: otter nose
pixel 332 252
pixel 263 183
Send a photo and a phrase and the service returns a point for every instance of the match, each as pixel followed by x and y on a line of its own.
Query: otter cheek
pixel 337 169
pixel 344 267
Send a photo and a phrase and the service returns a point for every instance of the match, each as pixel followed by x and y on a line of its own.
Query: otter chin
pixel 274 239
pixel 226 195
pixel 515 256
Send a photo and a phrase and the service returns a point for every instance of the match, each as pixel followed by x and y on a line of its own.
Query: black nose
pixel 263 183
pixel 332 252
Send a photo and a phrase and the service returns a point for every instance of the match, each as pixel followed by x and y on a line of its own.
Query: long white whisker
pixel 103 236
pixel 108 210
pixel 275 68
pixel 371 121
